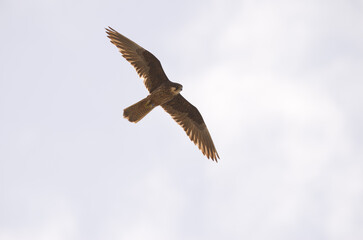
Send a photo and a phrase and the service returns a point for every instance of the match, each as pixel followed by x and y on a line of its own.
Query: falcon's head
pixel 176 88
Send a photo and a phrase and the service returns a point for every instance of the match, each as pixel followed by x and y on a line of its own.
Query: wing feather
pixel 147 66
pixel 189 118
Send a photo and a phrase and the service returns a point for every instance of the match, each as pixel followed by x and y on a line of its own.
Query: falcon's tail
pixel 139 110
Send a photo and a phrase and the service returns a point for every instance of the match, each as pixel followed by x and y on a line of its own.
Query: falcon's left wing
pixel 189 118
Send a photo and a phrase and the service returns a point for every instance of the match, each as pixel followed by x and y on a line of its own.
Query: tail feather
pixel 139 110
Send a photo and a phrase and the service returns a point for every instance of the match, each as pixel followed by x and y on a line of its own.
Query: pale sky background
pixel 279 84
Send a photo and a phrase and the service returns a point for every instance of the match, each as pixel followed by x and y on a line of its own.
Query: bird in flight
pixel 163 93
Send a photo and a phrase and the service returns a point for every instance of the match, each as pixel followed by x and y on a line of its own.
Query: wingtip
pixel 109 29
pixel 215 157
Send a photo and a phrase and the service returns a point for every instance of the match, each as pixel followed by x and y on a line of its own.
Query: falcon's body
pixel 163 93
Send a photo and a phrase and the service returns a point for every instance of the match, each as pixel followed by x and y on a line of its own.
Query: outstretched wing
pixel 146 64
pixel 189 118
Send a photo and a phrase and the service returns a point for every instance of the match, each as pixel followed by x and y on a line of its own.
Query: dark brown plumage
pixel 163 92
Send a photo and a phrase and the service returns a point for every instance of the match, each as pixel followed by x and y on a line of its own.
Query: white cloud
pixel 269 85
pixel 155 207
pixel 50 218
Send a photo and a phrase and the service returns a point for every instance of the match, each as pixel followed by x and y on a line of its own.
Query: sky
pixel 279 85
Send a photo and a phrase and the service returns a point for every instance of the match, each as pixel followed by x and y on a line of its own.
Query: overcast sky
pixel 279 84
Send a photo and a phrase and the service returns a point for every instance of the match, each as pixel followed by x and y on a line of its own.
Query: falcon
pixel 163 93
